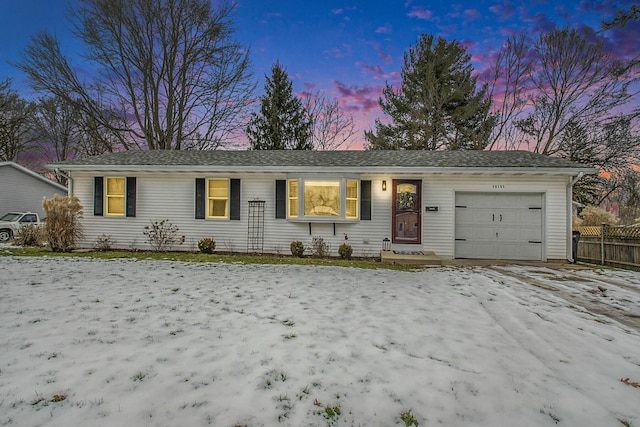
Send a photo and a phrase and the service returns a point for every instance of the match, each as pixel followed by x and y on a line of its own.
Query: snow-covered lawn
pixel 154 343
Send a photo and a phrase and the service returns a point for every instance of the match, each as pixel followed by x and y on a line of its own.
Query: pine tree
pixel 282 123
pixel 438 105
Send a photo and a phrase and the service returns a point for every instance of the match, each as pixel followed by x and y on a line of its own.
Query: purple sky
pixel 349 49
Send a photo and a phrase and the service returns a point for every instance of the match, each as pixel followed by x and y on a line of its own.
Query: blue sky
pixel 348 49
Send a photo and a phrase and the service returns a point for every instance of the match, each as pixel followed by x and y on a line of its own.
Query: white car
pixel 13 221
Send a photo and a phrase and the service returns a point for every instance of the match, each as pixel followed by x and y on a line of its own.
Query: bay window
pixel 323 199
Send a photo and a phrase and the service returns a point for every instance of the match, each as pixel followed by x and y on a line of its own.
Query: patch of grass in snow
pixel 139 376
pixel 369 263
pixel 625 423
pixel 288 322
pixel 408 419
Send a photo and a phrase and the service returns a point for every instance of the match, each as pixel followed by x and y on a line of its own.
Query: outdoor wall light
pixel 384 185
pixel 386 244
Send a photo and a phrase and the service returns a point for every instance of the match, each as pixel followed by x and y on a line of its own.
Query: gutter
pixel 69 181
pixel 570 215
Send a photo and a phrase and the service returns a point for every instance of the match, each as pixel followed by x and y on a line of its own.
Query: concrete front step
pixel 410 258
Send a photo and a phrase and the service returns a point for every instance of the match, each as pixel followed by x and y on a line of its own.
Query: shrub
pixel 104 243
pixel 161 235
pixel 592 215
pixel 345 250
pixel 62 226
pixel 319 247
pixel 30 235
pixel 207 245
pixel 297 249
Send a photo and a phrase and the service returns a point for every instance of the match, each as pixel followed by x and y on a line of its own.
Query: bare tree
pixel 623 17
pixel 575 81
pixel 508 83
pixel 165 74
pixel 15 117
pixel 56 129
pixel 332 129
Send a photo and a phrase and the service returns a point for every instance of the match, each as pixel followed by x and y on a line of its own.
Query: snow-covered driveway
pixel 123 342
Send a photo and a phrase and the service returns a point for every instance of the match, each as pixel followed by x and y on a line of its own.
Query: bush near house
pixel 297 249
pixel 162 235
pixel 207 245
pixel 592 215
pixel 345 250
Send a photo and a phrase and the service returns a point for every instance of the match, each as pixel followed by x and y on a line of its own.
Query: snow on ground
pixel 158 343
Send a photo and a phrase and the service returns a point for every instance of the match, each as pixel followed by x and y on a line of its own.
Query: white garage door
pixel 499 226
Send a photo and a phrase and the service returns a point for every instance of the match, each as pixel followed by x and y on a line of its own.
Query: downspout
pixel 69 181
pixel 570 215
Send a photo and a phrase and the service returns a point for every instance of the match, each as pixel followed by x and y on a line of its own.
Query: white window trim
pixel 106 197
pixel 228 206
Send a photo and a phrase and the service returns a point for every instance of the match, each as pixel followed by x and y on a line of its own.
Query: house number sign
pixel 498 185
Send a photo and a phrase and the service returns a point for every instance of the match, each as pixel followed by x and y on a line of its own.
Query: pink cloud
pixel 358 99
pixel 472 15
pixel 385 29
pixel 504 11
pixel 384 56
pixel 421 13
pixel 541 23
pixel 374 69
pixel 340 52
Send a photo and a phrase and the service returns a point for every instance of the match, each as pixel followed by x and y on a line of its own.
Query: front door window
pixel 407 212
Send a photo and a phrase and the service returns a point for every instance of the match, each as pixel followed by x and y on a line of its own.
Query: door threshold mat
pixel 408 252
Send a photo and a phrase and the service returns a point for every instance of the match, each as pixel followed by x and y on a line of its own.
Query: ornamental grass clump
pixel 62 225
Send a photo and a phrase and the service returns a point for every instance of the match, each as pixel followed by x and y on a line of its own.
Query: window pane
pixel 115 195
pixel 293 198
pixel 352 208
pixel 218 188
pixel 322 198
pixel 218 198
pixel 352 189
pixel 115 186
pixel 352 199
pixel 218 208
pixel 115 205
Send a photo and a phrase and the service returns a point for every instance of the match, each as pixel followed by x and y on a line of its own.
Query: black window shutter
pixel 201 200
pixel 131 196
pixel 281 198
pixel 234 206
pixel 98 196
pixel 365 200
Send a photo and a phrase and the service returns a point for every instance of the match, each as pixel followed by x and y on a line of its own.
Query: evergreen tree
pixel 282 123
pixel 438 105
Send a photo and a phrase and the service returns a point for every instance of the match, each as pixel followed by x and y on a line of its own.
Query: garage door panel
pixel 499 225
pixel 468 249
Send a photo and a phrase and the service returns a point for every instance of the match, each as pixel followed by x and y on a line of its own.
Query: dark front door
pixel 406 211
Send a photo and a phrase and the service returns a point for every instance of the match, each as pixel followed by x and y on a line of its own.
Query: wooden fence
pixel 607 245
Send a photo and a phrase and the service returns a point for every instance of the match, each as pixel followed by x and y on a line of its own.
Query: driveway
pixel 611 293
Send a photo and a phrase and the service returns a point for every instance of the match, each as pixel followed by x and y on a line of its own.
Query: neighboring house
pixel 22 190
pixel 458 204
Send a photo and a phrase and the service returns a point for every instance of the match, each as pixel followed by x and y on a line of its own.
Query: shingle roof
pixel 324 159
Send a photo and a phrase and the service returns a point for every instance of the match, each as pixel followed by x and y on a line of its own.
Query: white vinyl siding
pixel 154 189
pixel 22 192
